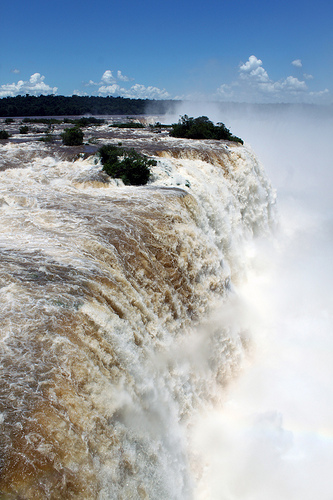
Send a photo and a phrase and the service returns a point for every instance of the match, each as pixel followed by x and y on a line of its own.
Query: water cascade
pixel 120 318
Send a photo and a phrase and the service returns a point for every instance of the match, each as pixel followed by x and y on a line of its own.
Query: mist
pixel 272 437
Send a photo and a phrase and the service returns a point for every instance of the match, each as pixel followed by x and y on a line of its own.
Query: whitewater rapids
pixel 112 335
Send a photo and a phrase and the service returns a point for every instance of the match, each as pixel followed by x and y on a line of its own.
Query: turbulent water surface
pixel 115 334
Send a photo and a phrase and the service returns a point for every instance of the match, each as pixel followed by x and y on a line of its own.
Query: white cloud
pixel 79 93
pixel 136 91
pixel 110 85
pixel 253 70
pixel 35 86
pixel 307 77
pixel 320 93
pixel 15 71
pixel 297 63
pixel 108 77
pixel 253 75
pixel 113 89
pixel 122 77
pixel 255 85
pixel 290 84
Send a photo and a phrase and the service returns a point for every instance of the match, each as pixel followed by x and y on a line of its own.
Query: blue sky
pixel 252 51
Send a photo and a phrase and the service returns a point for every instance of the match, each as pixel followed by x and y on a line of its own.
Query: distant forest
pixel 54 105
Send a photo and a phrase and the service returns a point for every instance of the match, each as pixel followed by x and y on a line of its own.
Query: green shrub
pixel 127 125
pixel 201 128
pixel 45 121
pixel 4 134
pixel 9 120
pixel 47 137
pixel 85 121
pixel 24 129
pixel 131 167
pixel 72 137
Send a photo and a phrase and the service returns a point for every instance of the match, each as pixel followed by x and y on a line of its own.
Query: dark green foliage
pixel 57 105
pixel 48 137
pixel 128 125
pixel 201 128
pixel 9 120
pixel 85 121
pixel 45 121
pixel 24 129
pixel 131 167
pixel 80 122
pixel 4 134
pixel 72 136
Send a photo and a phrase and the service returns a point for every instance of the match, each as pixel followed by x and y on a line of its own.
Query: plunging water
pixel 113 304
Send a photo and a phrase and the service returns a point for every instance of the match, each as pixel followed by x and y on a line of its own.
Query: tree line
pixel 56 105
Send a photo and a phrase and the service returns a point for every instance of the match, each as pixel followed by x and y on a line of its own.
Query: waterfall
pixel 120 316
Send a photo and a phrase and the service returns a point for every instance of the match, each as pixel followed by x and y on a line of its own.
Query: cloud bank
pixel 255 85
pixel 115 86
pixel 34 86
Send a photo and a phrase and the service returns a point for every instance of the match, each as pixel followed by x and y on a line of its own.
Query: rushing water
pixel 273 436
pixel 121 321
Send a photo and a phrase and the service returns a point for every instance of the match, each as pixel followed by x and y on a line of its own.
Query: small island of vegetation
pixel 72 136
pixel 201 128
pixel 127 125
pixel 130 166
pixel 4 134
